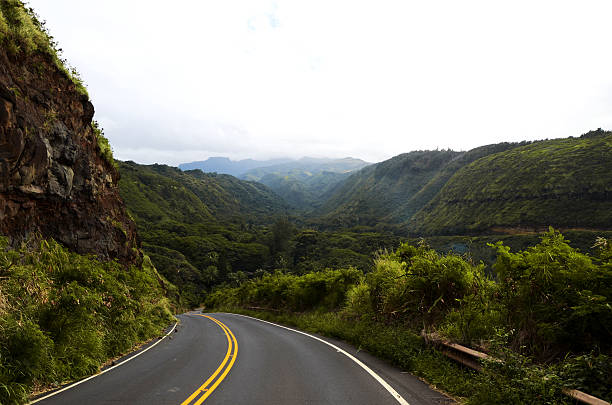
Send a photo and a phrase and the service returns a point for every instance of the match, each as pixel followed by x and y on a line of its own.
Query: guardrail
pixel 472 358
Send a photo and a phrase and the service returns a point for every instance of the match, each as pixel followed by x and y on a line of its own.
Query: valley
pixel 504 248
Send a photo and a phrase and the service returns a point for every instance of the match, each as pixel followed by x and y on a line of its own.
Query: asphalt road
pixel 231 359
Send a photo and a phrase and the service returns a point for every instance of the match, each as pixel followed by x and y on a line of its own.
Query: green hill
pixel 417 201
pixel 565 183
pixel 371 195
pixel 199 228
pixel 157 192
pixel 305 182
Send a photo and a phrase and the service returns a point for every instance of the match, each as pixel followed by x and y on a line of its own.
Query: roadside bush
pixel 65 314
pixel 418 283
pixel 325 290
pixel 515 380
pixel 590 373
pixel 358 301
pixel 555 298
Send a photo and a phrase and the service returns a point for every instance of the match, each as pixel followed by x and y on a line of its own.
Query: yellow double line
pixel 213 382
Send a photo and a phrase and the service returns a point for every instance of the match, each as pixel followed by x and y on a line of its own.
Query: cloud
pixel 256 78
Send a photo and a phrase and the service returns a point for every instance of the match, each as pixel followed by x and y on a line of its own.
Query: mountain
pixel 56 177
pixel 371 195
pixel 498 188
pixel 199 228
pixel 564 183
pixel 408 208
pixel 226 166
pixel 304 183
pixel 160 192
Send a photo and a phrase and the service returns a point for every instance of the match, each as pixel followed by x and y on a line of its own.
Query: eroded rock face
pixel 53 180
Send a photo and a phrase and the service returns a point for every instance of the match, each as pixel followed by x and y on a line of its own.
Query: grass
pixel 103 145
pixel 63 315
pixel 22 32
pixel 560 182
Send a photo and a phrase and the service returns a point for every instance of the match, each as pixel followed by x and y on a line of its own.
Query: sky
pixel 176 82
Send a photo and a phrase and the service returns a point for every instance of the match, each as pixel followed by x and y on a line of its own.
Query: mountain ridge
pixel 224 165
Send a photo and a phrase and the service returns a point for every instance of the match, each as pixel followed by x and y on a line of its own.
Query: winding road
pixel 233 359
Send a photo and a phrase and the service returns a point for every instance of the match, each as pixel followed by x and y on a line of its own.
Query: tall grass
pixel 62 315
pixel 22 32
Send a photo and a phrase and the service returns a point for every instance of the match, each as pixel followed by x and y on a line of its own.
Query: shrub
pixel 358 302
pixel 418 283
pixel 555 298
pixel 68 313
pixel 591 372
pixel 103 145
pixel 324 290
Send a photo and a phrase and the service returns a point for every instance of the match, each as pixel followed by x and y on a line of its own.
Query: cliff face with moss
pixel 54 178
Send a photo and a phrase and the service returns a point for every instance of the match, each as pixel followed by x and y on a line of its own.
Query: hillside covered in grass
pixel 305 183
pixel 198 227
pixel 369 196
pixel 565 183
pixel 161 193
pixel 494 189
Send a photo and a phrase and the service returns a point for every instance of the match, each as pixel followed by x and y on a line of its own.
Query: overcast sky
pixel 177 81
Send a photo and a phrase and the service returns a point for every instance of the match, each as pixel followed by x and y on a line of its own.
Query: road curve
pixel 231 359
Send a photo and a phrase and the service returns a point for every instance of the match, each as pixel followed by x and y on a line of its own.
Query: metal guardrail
pixel 472 358
pixel 263 309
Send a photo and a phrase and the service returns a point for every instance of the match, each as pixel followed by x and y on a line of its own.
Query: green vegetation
pixel 545 311
pixel 481 248
pixel 563 182
pixel 103 145
pixel 62 315
pixel 198 228
pixel 303 190
pixel 494 189
pixel 415 202
pixel 305 183
pixel 371 195
pixel 202 229
pixel 23 33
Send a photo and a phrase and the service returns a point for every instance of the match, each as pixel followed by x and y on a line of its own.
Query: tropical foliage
pixel 203 229
pixel 62 315
pixel 545 310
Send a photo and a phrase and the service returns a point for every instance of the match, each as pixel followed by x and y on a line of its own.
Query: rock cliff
pixel 54 180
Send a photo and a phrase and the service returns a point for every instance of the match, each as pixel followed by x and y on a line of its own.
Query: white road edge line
pixel 105 370
pixel 378 378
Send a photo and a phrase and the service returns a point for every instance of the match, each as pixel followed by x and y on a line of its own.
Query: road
pixel 231 359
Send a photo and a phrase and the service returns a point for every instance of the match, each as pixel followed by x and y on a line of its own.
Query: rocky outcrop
pixel 53 180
